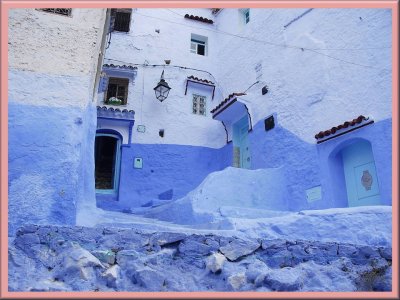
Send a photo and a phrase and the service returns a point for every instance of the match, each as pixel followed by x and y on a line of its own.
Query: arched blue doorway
pixel 107 161
pixel 353 174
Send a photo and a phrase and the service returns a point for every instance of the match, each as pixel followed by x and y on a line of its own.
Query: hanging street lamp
pixel 162 89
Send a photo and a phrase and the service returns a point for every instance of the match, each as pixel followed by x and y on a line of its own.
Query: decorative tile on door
pixel 366 180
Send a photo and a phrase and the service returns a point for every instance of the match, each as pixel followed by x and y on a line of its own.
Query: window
pixel 199 105
pixel 120 19
pixel 58 11
pixel 117 91
pixel 198 44
pixel 245 15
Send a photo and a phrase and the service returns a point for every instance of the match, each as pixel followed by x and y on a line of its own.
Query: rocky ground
pixel 54 258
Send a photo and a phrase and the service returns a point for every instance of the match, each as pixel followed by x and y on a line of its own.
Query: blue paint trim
pixel 115 119
pixel 108 132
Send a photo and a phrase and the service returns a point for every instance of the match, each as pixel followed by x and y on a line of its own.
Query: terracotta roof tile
pixel 197 18
pixel 333 130
pixel 201 80
pixel 226 100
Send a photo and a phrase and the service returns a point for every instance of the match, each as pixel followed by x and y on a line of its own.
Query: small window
pixel 198 44
pixel 58 11
pixel 117 91
pixel 199 105
pixel 120 19
pixel 245 15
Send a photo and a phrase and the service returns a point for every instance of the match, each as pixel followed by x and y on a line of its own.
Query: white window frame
pixel 197 104
pixel 197 40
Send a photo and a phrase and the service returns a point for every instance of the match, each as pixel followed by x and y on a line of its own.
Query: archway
pixel 107 162
pixel 354 175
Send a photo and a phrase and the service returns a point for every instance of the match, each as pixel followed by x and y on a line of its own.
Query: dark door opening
pixel 106 159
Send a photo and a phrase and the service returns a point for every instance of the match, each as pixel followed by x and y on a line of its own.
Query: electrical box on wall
pixel 269 123
pixel 141 128
pixel 138 163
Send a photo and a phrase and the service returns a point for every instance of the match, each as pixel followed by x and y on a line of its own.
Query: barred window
pixel 199 105
pixel 120 19
pixel 58 11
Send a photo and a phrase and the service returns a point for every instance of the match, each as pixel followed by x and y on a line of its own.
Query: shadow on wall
pixel 329 165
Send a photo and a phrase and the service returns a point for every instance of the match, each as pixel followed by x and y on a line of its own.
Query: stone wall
pixel 51 258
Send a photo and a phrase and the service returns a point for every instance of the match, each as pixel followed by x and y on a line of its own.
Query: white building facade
pixel 307 91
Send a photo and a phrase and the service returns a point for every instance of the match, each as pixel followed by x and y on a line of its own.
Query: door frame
pixel 117 163
pixel 237 138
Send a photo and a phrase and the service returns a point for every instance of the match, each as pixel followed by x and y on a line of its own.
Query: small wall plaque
pixel 314 194
pixel 141 128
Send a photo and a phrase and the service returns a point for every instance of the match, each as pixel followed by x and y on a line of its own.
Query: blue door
pixel 242 157
pixel 360 175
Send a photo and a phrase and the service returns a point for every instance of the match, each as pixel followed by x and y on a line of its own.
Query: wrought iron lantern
pixel 162 89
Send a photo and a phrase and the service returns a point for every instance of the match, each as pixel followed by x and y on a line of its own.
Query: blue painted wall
pixel 379 135
pixel 50 163
pixel 169 171
pixel 279 147
pixel 309 165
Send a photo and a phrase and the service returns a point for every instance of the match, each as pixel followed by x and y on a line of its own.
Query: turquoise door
pixel 360 175
pixel 242 157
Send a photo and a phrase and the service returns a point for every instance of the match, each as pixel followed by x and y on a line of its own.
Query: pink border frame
pixel 5 5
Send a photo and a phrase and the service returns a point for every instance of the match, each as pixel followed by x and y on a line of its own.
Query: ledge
pixel 341 129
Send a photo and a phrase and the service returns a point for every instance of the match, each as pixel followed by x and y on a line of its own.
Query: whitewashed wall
pixel 144 45
pixel 309 91
pixel 54 53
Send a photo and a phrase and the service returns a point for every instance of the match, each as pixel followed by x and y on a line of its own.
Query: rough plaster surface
pixel 306 89
pixel 51 114
pixel 49 166
pixel 50 258
pixel 55 44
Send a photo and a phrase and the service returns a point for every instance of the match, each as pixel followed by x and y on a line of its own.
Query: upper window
pixel 199 105
pixel 198 44
pixel 117 91
pixel 58 11
pixel 120 19
pixel 245 13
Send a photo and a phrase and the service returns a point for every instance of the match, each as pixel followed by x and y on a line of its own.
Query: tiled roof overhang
pixel 225 103
pixel 115 113
pixel 200 80
pixel 203 82
pixel 200 19
pixel 120 70
pixel 341 129
pixel 229 111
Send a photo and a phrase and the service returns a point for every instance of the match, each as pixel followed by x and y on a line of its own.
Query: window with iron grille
pixel 121 19
pixel 117 91
pixel 199 105
pixel 58 11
